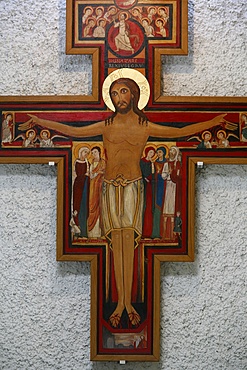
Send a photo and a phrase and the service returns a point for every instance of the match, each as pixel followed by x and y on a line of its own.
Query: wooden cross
pixel 125 178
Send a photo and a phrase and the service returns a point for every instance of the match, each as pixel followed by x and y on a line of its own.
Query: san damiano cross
pixel 126 164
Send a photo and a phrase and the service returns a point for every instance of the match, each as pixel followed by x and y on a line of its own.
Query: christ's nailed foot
pixel 134 317
pixel 115 318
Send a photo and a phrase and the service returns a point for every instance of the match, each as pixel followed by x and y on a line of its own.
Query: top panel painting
pixel 126 27
pixel 127 34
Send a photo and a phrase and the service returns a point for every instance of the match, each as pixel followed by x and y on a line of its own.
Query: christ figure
pixel 125 135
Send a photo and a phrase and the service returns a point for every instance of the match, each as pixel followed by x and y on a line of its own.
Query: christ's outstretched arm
pixel 174 132
pixel 85 131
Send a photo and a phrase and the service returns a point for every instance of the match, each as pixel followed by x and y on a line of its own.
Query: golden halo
pixel 126 15
pixel 30 130
pixel 206 132
pixel 6 114
pixel 136 8
pixel 91 19
pixel 146 19
pixel 151 146
pixel 162 7
pixel 152 7
pixel 86 8
pixel 132 74
pixel 159 20
pixel 47 131
pixel 79 147
pixel 100 20
pixel 221 132
pixel 112 8
pixel 102 150
pixel 164 147
pixel 100 7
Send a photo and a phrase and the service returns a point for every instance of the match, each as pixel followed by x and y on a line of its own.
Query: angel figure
pixel 205 141
pixel 222 139
pixel 29 139
pixel 223 135
pixel 46 140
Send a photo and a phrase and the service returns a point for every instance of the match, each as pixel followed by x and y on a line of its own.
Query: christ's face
pixel 122 17
pixel 121 97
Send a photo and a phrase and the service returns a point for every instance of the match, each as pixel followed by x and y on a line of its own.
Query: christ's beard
pixel 123 109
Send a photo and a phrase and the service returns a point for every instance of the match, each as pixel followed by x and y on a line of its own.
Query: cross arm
pixel 85 131
pixel 168 132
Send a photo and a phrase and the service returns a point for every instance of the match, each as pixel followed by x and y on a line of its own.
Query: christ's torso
pixel 124 142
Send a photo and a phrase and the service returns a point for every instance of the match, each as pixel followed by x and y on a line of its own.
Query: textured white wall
pixel 44 304
pixel 216 64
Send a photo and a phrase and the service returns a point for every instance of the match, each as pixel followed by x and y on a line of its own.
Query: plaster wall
pixel 44 304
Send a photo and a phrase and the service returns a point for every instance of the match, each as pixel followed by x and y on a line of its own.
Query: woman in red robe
pixel 97 170
pixel 80 192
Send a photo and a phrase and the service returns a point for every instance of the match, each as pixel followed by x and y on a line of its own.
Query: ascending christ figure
pixel 125 135
pixel 122 40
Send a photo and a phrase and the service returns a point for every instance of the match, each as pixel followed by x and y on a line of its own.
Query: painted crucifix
pixel 125 166
pixel 122 189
